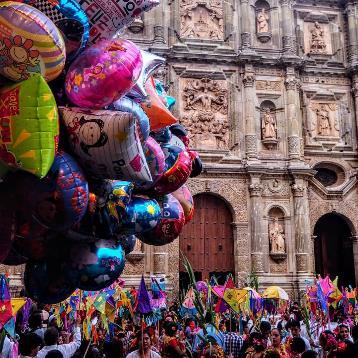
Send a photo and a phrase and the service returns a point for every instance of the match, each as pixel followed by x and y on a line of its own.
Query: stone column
pixel 287 26
pixel 301 225
pixel 355 95
pixel 257 257
pixel 241 251
pixel 355 256
pixel 249 113
pixel 245 26
pixel 160 259
pixel 352 11
pixel 293 119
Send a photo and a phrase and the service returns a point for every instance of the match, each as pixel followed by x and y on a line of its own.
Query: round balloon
pixel 186 201
pixel 31 43
pixel 106 144
pixel 128 243
pixel 159 115
pixel 150 63
pixel 46 282
pixel 103 73
pixel 70 19
pixel 156 162
pixel 170 225
pixel 169 101
pixel 29 126
pixel 95 266
pixel 197 164
pixel 176 176
pixel 125 104
pixel 109 16
pixel 142 214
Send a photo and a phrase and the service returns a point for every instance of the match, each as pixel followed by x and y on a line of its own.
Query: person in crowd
pixel 145 346
pixel 55 353
pixel 257 346
pixel 296 346
pixel 233 342
pixel 276 343
pixel 265 330
pixel 51 342
pixel 36 324
pixel 295 330
pixel 190 331
pixel 29 345
pixel 343 333
pixel 172 347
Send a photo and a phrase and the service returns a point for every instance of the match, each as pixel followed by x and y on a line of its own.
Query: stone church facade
pixel 268 90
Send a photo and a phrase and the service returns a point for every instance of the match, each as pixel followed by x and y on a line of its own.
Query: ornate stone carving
pixel 158 34
pixel 278 267
pixel 257 262
pixel 249 80
pixel 255 189
pixel 268 124
pixel 262 21
pixel 294 144
pixel 318 43
pixel 298 190
pixel 292 83
pixel 302 262
pixel 324 120
pixel 251 144
pixel 202 19
pixel 204 110
pixel 277 237
pixel 262 85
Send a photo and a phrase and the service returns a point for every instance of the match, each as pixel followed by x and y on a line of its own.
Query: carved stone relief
pixel 202 19
pixel 262 21
pixel 324 121
pixel 278 267
pixel 317 38
pixel 263 85
pixel 276 187
pixel 204 109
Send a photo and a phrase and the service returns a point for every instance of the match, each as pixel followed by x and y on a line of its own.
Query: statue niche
pixel 318 42
pixel 276 234
pixel 263 21
pixel 202 20
pixel 268 124
pixel 325 121
pixel 204 110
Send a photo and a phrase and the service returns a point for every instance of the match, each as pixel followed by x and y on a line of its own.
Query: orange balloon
pixel 159 115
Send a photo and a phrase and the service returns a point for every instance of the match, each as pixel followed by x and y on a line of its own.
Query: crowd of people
pixel 219 335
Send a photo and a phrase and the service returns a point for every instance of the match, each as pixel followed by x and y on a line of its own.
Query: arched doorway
pixel 207 241
pixel 334 249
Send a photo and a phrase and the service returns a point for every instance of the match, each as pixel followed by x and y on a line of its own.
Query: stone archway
pixel 333 248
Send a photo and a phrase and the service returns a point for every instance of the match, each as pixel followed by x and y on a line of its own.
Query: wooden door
pixel 207 241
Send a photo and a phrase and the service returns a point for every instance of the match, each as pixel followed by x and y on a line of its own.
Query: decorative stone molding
pixel 201 19
pixel 262 85
pixel 255 189
pixel 292 83
pixel 136 26
pixel 248 80
pixel 251 144
pixel 294 144
pixel 302 262
pixel 204 109
pixel 298 190
pixel 158 34
pixel 245 40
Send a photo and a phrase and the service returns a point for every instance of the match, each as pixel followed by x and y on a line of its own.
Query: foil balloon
pixel 47 282
pixel 176 176
pixel 70 19
pixel 107 17
pixel 162 135
pixel 158 113
pixel 103 73
pixel 179 131
pixel 156 162
pixel 127 242
pixel 186 201
pixel 170 225
pixel 177 142
pixel 95 266
pixel 106 143
pixel 169 101
pixel 197 164
pixel 127 105
pixel 150 63
pixel 202 286
pixel 31 43
pixel 29 126
pixel 142 214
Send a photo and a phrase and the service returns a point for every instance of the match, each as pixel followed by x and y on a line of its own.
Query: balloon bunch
pixel 91 158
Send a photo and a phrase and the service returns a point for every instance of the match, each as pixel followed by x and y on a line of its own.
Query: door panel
pixel 207 241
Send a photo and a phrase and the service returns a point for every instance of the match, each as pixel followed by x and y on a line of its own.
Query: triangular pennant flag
pixel 5 301
pixel 143 300
pixel 100 303
pixel 9 327
pixel 17 304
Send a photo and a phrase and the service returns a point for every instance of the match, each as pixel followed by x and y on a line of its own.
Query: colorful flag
pixel 143 301
pixel 5 301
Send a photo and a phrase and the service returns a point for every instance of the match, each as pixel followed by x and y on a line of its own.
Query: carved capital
pixel 159 35
pixel 249 80
pixel 292 83
pixel 298 190
pixel 286 3
pixel 255 189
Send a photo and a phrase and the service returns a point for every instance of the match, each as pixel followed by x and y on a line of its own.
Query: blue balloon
pixel 47 282
pixel 142 214
pixel 71 20
pixel 171 153
pixel 169 100
pixel 127 105
pixel 162 136
pixel 128 243
pixel 96 265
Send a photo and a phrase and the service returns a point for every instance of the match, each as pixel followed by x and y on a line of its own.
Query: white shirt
pixel 136 354
pixel 68 350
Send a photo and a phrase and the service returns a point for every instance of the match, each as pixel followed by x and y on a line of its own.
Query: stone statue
pixel 268 125
pixel 323 122
pixel 277 238
pixel 318 44
pixel 262 21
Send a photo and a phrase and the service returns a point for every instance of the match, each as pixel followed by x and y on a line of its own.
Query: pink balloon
pixel 103 73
